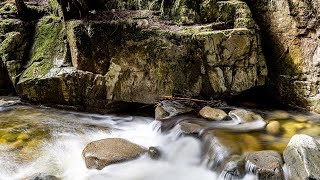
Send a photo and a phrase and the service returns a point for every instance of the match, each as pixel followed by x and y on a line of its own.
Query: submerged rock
pixel 190 128
pixel 214 152
pixel 273 127
pixel 42 176
pixel 278 115
pixel 212 113
pixel 154 152
pixel 265 164
pixel 302 157
pixel 101 153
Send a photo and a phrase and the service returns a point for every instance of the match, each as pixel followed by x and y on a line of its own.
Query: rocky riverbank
pixel 236 142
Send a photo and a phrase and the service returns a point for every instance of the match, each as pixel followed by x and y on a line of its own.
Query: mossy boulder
pixel 48 50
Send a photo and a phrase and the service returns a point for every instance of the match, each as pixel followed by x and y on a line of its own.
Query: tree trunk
pixel 74 9
pixel 166 7
pixel 22 8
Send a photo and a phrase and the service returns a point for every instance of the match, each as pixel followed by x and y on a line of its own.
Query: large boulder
pixel 101 153
pixel 302 157
pixel 143 59
pixel 290 34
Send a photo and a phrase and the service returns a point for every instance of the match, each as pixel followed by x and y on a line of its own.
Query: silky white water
pixel 60 153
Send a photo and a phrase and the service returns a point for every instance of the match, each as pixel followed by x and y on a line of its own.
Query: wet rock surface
pixel 233 168
pixel 101 153
pixel 42 176
pixel 190 128
pixel 302 157
pixel 265 164
pixel 244 116
pixel 154 152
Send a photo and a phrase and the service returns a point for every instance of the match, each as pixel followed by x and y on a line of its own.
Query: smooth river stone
pixel 214 114
pixel 302 157
pixel 273 127
pixel 101 153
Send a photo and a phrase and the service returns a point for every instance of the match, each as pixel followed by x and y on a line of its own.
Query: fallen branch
pixel 196 103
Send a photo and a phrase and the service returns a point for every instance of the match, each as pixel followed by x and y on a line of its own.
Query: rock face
pixel 101 153
pixel 302 157
pixel 13 43
pixel 135 55
pixel 265 164
pixel 290 33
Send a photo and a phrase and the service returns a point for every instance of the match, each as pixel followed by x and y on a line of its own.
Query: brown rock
pixel 273 127
pixel 101 153
pixel 160 113
pixel 212 113
pixel 265 164
pixel 190 128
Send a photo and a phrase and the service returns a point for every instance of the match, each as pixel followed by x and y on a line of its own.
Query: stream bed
pixel 38 139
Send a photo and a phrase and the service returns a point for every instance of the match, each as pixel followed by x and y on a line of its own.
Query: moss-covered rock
pixel 48 50
pixel 14 41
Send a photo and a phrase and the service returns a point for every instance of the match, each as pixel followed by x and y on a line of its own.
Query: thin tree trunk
pixel 74 9
pixel 22 8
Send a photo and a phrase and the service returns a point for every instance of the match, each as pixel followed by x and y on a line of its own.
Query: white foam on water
pixel 61 156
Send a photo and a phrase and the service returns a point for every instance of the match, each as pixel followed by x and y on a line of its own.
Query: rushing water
pixel 46 140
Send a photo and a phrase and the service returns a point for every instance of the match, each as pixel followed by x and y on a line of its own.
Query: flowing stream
pixel 36 139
